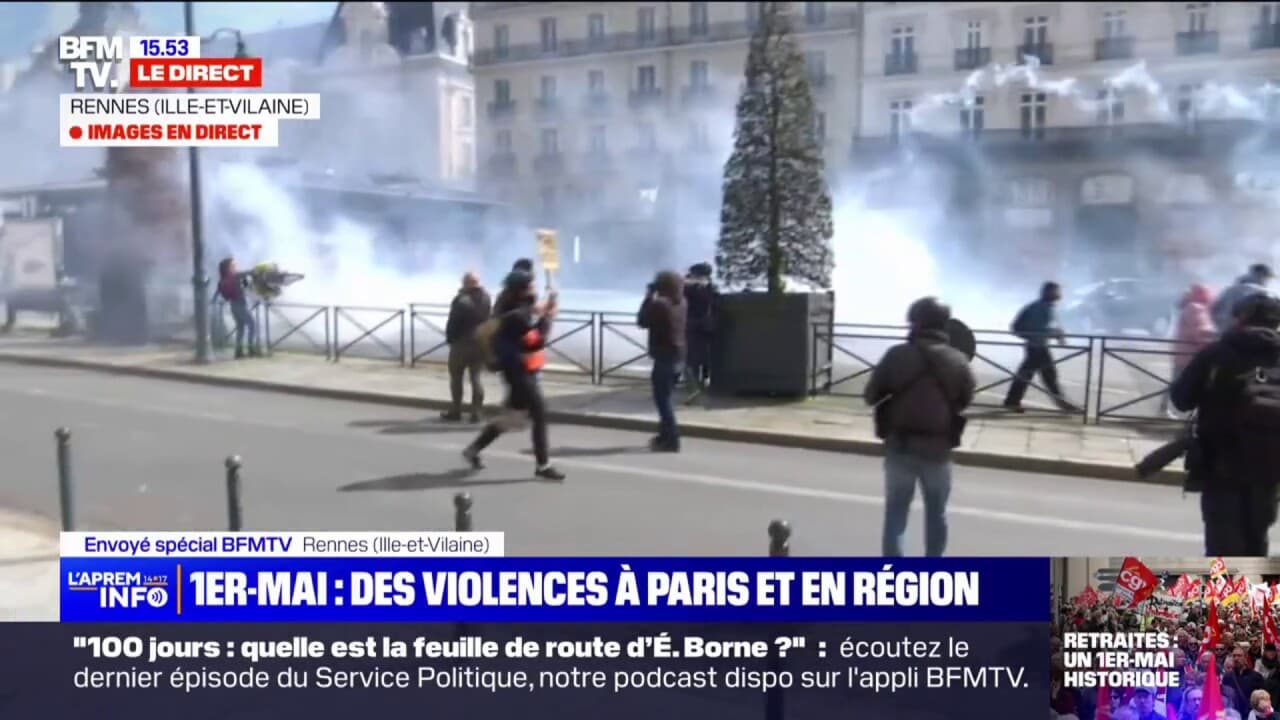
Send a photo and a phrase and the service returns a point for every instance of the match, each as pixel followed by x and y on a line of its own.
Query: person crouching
pixel 663 314
pixel 519 348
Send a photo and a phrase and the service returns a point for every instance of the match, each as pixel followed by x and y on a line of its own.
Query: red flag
pixel 1134 584
pixel 1212 633
pixel 1211 702
pixel 1269 633
pixel 1088 597
pixel 1218 569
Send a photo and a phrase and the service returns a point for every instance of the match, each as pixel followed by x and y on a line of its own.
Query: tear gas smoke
pixel 885 257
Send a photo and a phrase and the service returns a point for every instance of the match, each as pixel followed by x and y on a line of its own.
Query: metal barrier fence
pixel 1102 377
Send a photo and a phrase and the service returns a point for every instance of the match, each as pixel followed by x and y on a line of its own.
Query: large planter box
pixel 764 344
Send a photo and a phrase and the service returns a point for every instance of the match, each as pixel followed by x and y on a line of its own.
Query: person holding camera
pixel 664 314
pixel 919 390
pixel 519 351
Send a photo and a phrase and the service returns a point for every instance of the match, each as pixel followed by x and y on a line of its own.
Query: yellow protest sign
pixel 548 251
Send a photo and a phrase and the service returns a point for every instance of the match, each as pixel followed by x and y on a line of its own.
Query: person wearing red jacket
pixel 1195 330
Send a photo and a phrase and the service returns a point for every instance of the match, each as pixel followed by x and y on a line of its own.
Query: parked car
pixel 1122 306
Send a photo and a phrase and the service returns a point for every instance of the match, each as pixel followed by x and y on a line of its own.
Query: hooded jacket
pixel 1195 325
pixel 664 314
pixel 1224 307
pixel 923 402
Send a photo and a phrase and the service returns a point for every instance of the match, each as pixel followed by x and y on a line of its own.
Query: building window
pixel 595 83
pixel 502 92
pixel 1198 17
pixel 1113 24
pixel 1034 112
pixel 973 34
pixel 973 115
pixel 501 40
pixel 820 127
pixel 1035 31
pixel 502 141
pixel 647 24
pixel 899 118
pixel 465 116
pixel 753 14
pixel 550 141
pixel 1187 110
pixel 698 19
pixel 698 137
pixel 815 64
pixel 815 13
pixel 902 42
pixel 598 140
pixel 464 162
pixel 1110 108
pixel 595 28
pixel 1269 14
pixel 698 74
pixel 547 88
pixel 648 136
pixel 646 79
pixel 548 30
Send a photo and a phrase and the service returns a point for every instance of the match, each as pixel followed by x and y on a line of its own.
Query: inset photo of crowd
pixel 1154 638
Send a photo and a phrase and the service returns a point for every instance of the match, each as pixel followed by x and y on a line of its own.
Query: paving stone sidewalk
pixel 1035 442
pixel 28 568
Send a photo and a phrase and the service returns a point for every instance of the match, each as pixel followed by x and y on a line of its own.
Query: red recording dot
pixel 76 132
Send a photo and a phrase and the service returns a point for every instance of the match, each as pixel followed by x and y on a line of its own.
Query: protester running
pixel 519 353
pixel 1036 324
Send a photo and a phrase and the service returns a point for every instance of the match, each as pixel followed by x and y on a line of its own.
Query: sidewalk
pixel 1029 443
pixel 28 568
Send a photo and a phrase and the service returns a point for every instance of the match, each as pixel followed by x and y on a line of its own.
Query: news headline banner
pixel 1120 660
pixel 492 589
pixel 204 120
pixel 900 670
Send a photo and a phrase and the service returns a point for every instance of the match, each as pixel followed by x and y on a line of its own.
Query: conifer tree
pixel 775 216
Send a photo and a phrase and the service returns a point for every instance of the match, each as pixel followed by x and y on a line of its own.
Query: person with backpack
pixel 1036 324
pixel 1233 385
pixel 469 310
pixel 517 347
pixel 919 390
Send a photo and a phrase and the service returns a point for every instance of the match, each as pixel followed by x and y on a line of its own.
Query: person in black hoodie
pixel 700 297
pixel 506 302
pixel 519 347
pixel 1234 386
pixel 470 309
pixel 663 314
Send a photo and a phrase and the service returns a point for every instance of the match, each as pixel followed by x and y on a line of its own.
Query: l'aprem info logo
pixel 122 589
pixel 103 114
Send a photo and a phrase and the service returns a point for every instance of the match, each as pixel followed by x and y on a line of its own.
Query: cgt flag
pixel 1218 569
pixel 1134 584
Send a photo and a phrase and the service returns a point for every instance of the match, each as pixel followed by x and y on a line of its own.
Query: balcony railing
pixel 972 58
pixel 548 162
pixel 900 63
pixel 1042 52
pixel 644 97
pixel 501 163
pixel 502 109
pixel 596 103
pixel 1197 43
pixel 1265 37
pixel 696 95
pixel 546 106
pixel 836 19
pixel 1113 48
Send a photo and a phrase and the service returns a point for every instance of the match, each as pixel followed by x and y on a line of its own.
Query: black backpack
pixel 1249 447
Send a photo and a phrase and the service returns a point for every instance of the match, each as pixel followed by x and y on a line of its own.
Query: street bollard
pixel 462 512
pixel 779 538
pixel 66 502
pixel 235 519
pixel 779 546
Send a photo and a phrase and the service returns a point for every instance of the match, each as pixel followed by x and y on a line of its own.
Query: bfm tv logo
pixel 122 589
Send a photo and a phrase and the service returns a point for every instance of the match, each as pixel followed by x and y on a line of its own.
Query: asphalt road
pixel 148 454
